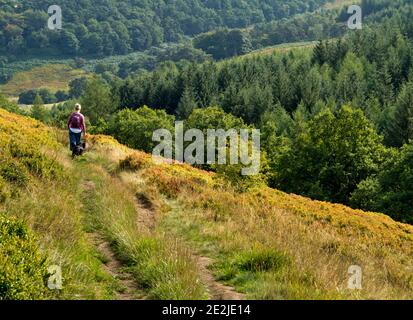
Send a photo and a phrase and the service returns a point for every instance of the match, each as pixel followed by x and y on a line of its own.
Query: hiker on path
pixel 76 126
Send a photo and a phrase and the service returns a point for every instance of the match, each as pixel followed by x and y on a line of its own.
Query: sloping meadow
pixel 41 232
pixel 273 245
pixel 264 243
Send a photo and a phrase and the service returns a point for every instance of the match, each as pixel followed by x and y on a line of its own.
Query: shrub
pixel 27 97
pixel 135 128
pixel 135 162
pixel 173 180
pixel 34 160
pixel 14 172
pixel 232 174
pixel 61 96
pixel 22 268
pixel 390 191
pixel 10 106
pixel 60 113
pixel 330 156
pixel 261 259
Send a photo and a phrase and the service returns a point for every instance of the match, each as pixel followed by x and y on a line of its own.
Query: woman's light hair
pixel 78 107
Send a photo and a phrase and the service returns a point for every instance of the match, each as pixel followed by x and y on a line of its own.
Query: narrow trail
pixel 129 290
pixel 145 212
pixel 216 290
pixel 147 217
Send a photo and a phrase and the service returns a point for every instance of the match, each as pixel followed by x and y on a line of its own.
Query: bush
pixel 23 269
pixel 61 112
pixel 135 128
pixel 390 191
pixel 33 159
pixel 232 173
pixel 27 97
pixel 365 197
pixel 135 162
pixel 174 180
pixel 330 156
pixel 14 172
pixel 10 106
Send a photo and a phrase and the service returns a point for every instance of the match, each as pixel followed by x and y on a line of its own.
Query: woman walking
pixel 76 125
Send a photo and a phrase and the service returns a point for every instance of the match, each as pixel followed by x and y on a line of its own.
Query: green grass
pixel 40 188
pixel 56 222
pixel 160 265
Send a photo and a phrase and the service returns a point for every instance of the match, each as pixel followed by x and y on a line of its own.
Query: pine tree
pixel 351 84
pixel 320 53
pixel 384 85
pixel 400 128
pixel 310 89
pixel 38 111
pixel 187 104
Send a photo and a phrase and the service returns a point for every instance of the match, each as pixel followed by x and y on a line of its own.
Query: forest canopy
pixel 107 27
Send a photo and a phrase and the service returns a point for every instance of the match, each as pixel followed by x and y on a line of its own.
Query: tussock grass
pixel 322 240
pixel 166 269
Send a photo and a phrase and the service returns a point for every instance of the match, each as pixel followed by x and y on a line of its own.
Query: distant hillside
pixel 340 3
pixel 51 76
pixel 281 48
pixel 122 227
pixel 110 27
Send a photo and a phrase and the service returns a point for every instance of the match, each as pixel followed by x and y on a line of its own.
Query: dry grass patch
pixel 52 76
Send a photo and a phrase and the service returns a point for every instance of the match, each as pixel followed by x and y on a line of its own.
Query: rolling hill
pixel 53 77
pixel 122 227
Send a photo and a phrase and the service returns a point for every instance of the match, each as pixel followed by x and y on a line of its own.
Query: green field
pixel 285 47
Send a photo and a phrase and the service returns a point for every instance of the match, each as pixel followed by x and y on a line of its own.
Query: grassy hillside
pixel 338 4
pixel 286 47
pixel 121 226
pixel 51 76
